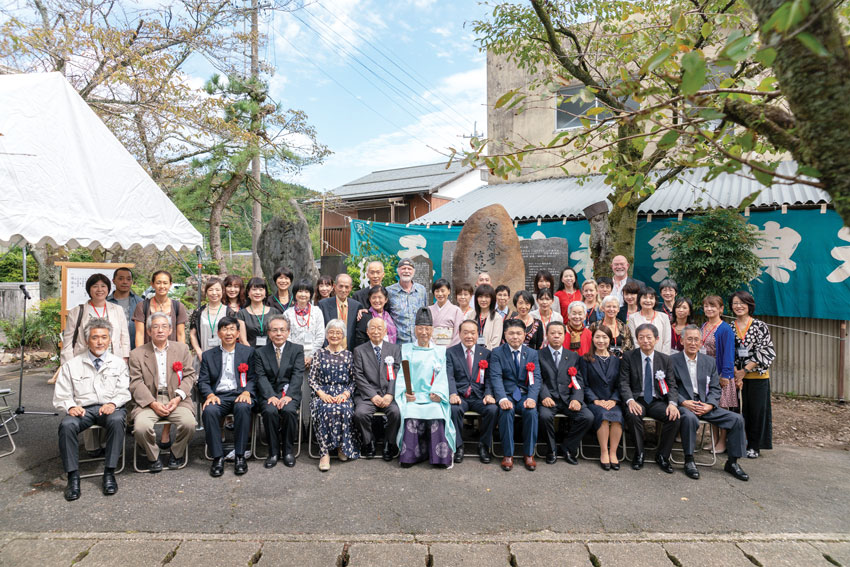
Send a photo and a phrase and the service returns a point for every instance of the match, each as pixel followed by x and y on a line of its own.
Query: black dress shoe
pixel 241 466
pixel 570 458
pixel 72 491
pixel 637 463
pixel 390 452
pixel 484 454
pixel 97 453
pixel 173 462
pixel 110 486
pixel 691 470
pixel 217 467
pixel 605 466
pixel 368 451
pixel 551 458
pixel 664 464
pixel 735 470
pixel 156 465
pixel 615 466
pixel 271 462
pixel 459 455
pixel 289 459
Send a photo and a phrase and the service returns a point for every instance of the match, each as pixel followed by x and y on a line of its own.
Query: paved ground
pixel 793 509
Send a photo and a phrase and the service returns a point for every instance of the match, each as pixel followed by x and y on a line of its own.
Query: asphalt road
pixel 791 491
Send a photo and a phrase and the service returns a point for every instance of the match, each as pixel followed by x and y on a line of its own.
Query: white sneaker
pixel 752 454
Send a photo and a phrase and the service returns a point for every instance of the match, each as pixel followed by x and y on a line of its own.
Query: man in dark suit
pixel 376 389
pixel 374 275
pixel 562 391
pixel 280 372
pixel 342 307
pixel 515 379
pixel 698 388
pixel 226 386
pixel 469 389
pixel 649 388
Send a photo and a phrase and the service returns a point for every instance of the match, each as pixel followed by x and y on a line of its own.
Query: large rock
pixel 489 243
pixel 287 243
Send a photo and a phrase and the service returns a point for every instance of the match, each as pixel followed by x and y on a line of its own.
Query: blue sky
pixel 383 82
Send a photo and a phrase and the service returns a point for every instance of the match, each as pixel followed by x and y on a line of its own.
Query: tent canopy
pixel 66 180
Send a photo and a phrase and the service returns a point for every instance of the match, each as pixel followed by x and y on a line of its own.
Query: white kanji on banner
pixel 660 255
pixel 842 254
pixel 581 258
pixel 776 250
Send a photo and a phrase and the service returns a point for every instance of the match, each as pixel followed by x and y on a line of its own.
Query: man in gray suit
pixel 698 387
pixel 376 365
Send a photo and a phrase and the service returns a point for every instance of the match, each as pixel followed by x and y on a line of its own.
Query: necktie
pixel 378 354
pixel 516 362
pixel 647 382
pixel 557 355
pixel 97 363
pixel 277 355
pixel 469 360
pixel 343 315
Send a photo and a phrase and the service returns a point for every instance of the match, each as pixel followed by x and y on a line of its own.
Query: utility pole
pixel 256 209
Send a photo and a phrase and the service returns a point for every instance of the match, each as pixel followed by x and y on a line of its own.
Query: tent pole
pixel 186 266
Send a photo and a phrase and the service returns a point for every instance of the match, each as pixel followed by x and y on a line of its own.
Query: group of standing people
pixel 601 355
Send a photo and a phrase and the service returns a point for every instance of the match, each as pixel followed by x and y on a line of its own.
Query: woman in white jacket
pixel 73 339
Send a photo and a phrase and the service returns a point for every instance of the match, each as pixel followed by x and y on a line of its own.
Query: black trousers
pixel 70 428
pixel 724 419
pixel 657 410
pixel 578 423
pixel 363 411
pixel 214 413
pixel 489 413
pixel 757 414
pixel 280 423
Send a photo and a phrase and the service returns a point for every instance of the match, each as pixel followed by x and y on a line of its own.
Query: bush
pixel 43 325
pixel 712 254
pixel 11 266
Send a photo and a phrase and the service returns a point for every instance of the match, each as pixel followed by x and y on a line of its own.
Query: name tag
pixel 743 352
pixel 442 335
pixel 703 351
pixel 213 342
pixel 481 341
pixel 262 341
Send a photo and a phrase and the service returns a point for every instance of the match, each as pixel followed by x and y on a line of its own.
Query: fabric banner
pixel 805 255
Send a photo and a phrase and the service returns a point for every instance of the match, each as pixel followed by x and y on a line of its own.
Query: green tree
pixel 733 85
pixel 712 254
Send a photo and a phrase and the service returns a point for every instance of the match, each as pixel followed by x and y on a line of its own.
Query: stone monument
pixel 544 254
pixel 424 275
pixel 287 243
pixel 488 243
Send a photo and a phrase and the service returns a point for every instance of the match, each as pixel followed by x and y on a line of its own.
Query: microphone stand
pixel 20 409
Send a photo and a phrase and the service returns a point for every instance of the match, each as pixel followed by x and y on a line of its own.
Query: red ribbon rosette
pixel 572 371
pixel 482 367
pixel 178 368
pixel 530 368
pixel 243 375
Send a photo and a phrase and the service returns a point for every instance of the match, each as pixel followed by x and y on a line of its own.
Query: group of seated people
pixel 423 370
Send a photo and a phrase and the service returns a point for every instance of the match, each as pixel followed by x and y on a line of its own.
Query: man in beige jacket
pixel 161 381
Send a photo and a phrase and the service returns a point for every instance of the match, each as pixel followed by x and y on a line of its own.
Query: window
pixel 568 112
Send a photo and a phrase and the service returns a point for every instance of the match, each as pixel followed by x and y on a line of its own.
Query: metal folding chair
pixel 255 433
pixel 136 448
pixel 95 459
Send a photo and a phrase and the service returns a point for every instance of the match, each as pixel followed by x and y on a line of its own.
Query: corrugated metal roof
pixel 401 181
pixel 568 196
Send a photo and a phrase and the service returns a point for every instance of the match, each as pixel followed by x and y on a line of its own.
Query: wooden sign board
pixel 74 276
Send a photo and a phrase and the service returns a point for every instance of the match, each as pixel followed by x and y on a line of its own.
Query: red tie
pixel 469 360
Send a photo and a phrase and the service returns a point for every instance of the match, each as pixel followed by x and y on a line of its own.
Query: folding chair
pixel 255 432
pixel 136 448
pixel 95 459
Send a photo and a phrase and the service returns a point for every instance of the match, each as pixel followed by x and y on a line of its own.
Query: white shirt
pixel 692 370
pixel 560 352
pixel 227 382
pixel 617 288
pixel 162 365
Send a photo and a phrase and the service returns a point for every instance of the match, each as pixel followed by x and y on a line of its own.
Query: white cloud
pixel 442 31
pixel 416 144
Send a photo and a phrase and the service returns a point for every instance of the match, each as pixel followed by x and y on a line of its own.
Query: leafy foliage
pixel 713 254
pixel 355 264
pixel 11 266
pixel 43 326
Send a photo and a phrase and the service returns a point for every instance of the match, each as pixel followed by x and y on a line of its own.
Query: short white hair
pixel 158 315
pixel 335 324
pixel 579 304
pixel 96 323
pixel 609 299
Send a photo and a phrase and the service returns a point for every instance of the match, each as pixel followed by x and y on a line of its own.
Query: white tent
pixel 66 180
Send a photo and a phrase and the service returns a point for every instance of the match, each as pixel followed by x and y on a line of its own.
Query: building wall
pixel 462 185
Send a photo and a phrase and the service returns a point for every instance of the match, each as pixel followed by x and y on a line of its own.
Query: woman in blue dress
pixel 601 373
pixel 331 408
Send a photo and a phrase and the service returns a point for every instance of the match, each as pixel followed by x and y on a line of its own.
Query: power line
pixel 399 67
pixel 361 101
pixel 433 107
